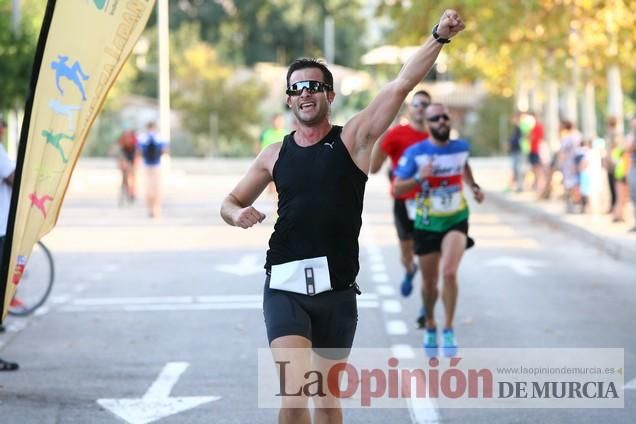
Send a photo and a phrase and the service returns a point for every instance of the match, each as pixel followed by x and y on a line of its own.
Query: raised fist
pixel 450 24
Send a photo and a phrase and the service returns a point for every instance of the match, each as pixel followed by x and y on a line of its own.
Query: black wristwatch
pixel 438 38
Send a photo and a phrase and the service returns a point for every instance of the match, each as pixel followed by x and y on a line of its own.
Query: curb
pixel 612 248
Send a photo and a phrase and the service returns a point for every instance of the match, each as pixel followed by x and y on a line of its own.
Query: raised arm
pixel 365 128
pixel 237 209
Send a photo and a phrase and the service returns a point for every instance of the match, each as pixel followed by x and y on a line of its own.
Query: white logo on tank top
pixel 329 144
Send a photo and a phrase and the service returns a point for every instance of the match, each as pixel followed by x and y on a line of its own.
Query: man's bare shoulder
pixel 268 157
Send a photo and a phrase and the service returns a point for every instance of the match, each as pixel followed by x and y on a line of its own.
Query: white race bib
pixel 306 276
pixel 446 199
pixel 411 208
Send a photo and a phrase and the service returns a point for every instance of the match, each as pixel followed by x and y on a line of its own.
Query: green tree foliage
pixel 483 130
pixel 506 42
pixel 17 50
pixel 248 31
pixel 219 106
pixel 501 38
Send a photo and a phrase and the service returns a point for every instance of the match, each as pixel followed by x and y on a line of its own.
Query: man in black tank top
pixel 320 171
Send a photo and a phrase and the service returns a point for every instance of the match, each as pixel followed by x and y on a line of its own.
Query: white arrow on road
pixel 519 265
pixel 249 264
pixel 156 403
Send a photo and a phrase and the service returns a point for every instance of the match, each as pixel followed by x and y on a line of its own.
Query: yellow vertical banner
pixel 82 47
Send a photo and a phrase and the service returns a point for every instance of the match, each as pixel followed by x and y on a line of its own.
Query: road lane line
pixel 402 351
pixel 379 267
pixel 150 307
pixel 380 278
pixel 396 327
pixel 423 410
pixel 391 306
pixel 375 258
pixel 385 290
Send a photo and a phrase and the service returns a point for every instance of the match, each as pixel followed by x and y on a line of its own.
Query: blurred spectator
pixel 535 146
pixel 7 169
pixel 274 134
pixel 514 147
pixel 611 140
pixel 585 172
pixel 569 156
pixel 620 158
pixel 595 175
pixel 127 146
pixel 631 147
pixel 151 148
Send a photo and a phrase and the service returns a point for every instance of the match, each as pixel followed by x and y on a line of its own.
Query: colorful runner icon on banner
pixel 69 84
pixel 67 110
pixel 74 74
pixel 56 139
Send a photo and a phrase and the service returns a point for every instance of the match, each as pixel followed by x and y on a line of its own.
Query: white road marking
pixel 42 310
pixel 376 258
pixel 101 301
pixel 380 278
pixel 378 268
pixel 391 306
pixel 422 409
pixel 396 327
pixel 16 326
pixel 385 290
pixel 183 303
pixel 247 265
pixel 60 299
pixel 521 266
pixel 156 403
pixel 402 351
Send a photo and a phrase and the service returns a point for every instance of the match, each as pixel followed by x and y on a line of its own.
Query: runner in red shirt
pixel 536 139
pixel 395 142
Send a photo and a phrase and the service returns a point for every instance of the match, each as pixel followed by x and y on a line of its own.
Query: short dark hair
pixel 422 93
pixel 567 124
pixel 306 62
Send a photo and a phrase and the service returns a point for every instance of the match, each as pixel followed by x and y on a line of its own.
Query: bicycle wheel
pixel 36 283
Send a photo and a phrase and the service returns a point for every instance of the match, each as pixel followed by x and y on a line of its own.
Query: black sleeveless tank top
pixel 320 195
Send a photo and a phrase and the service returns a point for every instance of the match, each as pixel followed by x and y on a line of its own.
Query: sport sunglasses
pixel 296 89
pixel 436 118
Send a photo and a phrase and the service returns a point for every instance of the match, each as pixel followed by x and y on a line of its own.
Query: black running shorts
pixel 403 224
pixel 426 242
pixel 328 319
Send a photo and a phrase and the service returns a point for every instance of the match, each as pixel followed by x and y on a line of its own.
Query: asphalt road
pixel 153 310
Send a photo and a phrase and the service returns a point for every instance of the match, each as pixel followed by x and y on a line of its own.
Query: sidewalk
pixel 614 239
